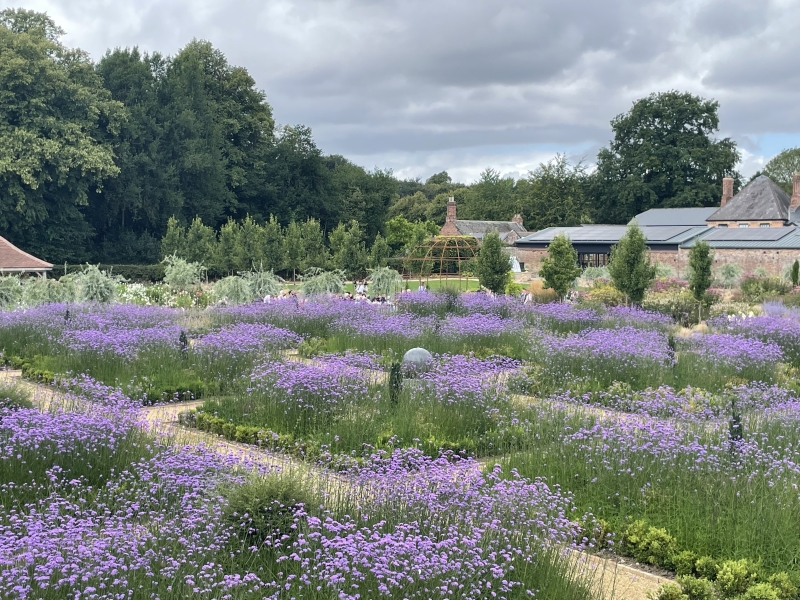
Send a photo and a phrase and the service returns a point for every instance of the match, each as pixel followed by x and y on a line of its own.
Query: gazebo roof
pixel 14 260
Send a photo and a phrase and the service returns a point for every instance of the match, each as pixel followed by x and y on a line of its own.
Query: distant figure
pixel 421 286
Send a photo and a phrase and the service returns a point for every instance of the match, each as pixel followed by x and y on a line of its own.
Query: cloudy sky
pixel 421 86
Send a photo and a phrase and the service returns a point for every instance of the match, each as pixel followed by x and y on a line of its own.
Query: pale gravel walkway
pixel 614 579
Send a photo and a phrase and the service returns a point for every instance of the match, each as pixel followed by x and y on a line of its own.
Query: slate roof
pixel 760 200
pixel 12 259
pixel 767 238
pixel 675 216
pixel 478 229
pixel 611 234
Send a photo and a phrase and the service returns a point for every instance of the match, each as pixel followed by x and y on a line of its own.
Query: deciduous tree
pixel 630 268
pixel 560 267
pixel 492 265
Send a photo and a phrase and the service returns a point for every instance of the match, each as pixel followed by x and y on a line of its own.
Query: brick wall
pixel 752 224
pixel 774 262
pixel 449 228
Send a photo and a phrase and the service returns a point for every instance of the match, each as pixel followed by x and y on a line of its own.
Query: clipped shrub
pixel 696 588
pixel 706 568
pixel 649 544
pixel 735 577
pixel 761 591
pixel 683 562
pixel 233 290
pixel 783 584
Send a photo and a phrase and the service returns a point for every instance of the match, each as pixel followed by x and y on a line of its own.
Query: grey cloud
pixel 424 81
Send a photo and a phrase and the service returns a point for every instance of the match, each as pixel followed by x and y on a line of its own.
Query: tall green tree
pixel 492 265
pixel 782 167
pixel 315 252
pixel 348 249
pixel 554 195
pixel 249 248
pixel 629 267
pixel 491 198
pixel 379 253
pixel 225 256
pixel 294 249
pixel 57 126
pixel 174 241
pixel 560 267
pixel 201 243
pixel 701 258
pixel 274 248
pixel 662 155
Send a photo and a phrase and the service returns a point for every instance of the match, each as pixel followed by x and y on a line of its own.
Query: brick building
pixel 755 228
pixel 509 231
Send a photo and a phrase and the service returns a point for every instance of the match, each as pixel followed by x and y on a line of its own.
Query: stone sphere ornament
pixel 417 360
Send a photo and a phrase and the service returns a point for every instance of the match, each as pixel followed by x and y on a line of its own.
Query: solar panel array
pixel 748 234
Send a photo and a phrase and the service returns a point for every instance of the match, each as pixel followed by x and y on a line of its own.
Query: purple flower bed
pixel 124 343
pixel 246 338
pixel 734 353
pixel 782 330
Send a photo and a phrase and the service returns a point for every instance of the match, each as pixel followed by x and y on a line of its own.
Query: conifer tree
pixel 560 267
pixel 294 249
pixel 700 260
pixel 493 265
pixel 630 268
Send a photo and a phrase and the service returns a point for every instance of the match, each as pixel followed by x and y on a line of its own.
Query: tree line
pixel 96 158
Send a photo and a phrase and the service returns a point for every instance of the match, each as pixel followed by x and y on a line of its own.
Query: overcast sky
pixel 422 86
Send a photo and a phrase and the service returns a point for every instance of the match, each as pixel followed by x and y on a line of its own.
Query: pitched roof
pixel 476 228
pixel 675 216
pixel 767 238
pixel 658 236
pixel 760 200
pixel 15 260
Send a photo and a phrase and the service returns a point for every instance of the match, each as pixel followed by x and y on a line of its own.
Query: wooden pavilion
pixel 14 260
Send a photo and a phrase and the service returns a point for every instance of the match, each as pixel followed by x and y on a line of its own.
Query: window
pixel 743 225
pixel 725 225
pixel 764 225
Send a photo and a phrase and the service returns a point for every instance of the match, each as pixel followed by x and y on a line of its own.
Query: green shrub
pixel 706 567
pixel 265 508
pixel 605 294
pixel 94 285
pixel 754 289
pixel 783 584
pixel 735 577
pixel 14 396
pixel 10 291
pixel 311 347
pixel 696 589
pixel 683 562
pixel 761 591
pixel 648 544
pixel 263 283
pixel 234 290
pixel 133 273
pixel 670 591
pixel 182 275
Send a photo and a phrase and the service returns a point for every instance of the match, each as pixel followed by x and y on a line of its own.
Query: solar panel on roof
pixel 664 232
pixel 756 234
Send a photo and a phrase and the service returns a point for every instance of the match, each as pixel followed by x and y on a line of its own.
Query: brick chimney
pixel 795 203
pixel 451 210
pixel 727 190
pixel 517 219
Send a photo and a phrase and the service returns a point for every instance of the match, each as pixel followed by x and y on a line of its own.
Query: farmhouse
pixel 14 260
pixel 509 231
pixel 755 228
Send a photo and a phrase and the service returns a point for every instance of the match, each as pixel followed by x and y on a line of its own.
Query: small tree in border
pixel 560 267
pixel 795 273
pixel 630 268
pixel 701 258
pixel 493 265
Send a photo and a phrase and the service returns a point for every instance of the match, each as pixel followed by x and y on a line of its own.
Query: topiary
pixel 735 577
pixel 761 591
pixel 706 567
pixel 696 589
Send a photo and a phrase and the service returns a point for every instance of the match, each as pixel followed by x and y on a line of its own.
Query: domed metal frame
pixel 441 258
